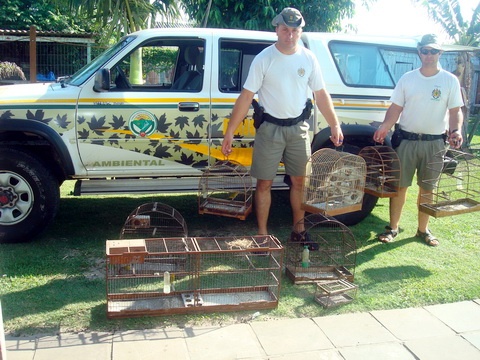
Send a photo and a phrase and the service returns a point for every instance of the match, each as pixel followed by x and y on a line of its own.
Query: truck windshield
pixel 91 68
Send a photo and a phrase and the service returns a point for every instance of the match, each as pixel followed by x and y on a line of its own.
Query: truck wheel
pixel 353 218
pixel 29 196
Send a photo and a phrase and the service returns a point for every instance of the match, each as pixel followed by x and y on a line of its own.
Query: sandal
pixel 428 237
pixel 388 235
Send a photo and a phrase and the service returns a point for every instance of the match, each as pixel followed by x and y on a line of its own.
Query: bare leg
pixel 396 207
pixel 263 200
pixel 296 197
pixel 425 197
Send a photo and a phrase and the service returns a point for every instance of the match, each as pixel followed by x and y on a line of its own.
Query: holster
pixel 397 137
pixel 258 112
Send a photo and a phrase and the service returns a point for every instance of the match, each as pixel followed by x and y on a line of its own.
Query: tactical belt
pixel 283 122
pixel 422 137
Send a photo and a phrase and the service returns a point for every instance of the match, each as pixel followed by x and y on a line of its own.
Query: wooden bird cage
pixel 334 256
pixel 192 275
pixel 334 183
pixel 226 189
pixel 153 220
pixel 335 292
pixel 383 171
pixel 457 190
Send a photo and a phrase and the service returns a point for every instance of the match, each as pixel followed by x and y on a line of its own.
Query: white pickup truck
pixel 149 114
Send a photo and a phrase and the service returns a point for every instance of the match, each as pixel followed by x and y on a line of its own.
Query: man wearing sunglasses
pixel 426 104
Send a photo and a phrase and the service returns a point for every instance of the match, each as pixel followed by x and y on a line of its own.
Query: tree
pixel 120 17
pixel 21 14
pixel 323 15
pixel 448 14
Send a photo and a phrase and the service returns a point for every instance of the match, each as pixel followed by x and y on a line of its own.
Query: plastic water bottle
pixel 305 257
pixel 166 282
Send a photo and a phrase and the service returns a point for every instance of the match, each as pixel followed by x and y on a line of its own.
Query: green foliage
pixel 448 14
pixel 21 14
pixel 257 15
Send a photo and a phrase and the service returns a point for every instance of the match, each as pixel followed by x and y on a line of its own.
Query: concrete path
pixel 438 332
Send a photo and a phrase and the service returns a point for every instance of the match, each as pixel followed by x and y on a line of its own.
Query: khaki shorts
pixel 273 144
pixel 425 158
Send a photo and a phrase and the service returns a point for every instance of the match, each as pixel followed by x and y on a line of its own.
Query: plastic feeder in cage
pixel 456 190
pixel 226 189
pixel 193 275
pixel 335 292
pixel 332 253
pixel 153 220
pixel 334 183
pixel 383 171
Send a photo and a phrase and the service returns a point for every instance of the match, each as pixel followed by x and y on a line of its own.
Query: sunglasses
pixel 431 51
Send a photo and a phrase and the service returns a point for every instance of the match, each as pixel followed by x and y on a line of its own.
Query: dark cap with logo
pixel 290 17
pixel 429 40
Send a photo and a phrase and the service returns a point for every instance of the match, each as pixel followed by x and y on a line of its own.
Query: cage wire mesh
pixel 457 188
pixel 153 220
pixel 334 182
pixel 383 170
pixel 185 275
pixel 226 189
pixel 333 254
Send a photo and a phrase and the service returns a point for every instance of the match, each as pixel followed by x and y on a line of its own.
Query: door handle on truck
pixel 188 106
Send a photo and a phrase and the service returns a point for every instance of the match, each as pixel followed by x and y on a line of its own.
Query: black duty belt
pixel 283 122
pixel 424 137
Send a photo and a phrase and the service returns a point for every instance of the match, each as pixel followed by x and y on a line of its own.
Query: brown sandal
pixel 428 237
pixel 388 235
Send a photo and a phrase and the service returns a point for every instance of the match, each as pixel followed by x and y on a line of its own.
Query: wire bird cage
pixel 383 171
pixel 190 275
pixel 226 189
pixel 153 220
pixel 334 183
pixel 457 188
pixel 332 255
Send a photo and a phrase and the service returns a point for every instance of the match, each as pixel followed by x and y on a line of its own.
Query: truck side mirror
pixel 102 80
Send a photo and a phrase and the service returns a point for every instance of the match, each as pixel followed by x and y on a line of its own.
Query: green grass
pixel 56 283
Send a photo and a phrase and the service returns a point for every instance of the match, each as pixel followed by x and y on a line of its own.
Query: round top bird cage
pixel 154 220
pixel 332 251
pixel 383 170
pixel 226 189
pixel 334 182
pixel 456 189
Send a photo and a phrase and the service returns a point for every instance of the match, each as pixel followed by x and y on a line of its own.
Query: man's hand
pixel 337 135
pixel 227 144
pixel 455 139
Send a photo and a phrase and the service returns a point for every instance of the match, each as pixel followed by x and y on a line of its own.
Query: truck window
pixel 361 65
pixel 161 65
pixel 235 59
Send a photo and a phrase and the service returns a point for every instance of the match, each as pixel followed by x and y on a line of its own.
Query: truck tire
pixel 29 196
pixel 353 218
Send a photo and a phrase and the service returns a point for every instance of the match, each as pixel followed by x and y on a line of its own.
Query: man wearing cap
pixel 283 75
pixel 426 103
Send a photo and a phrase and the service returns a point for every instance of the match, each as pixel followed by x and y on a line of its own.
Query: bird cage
pixel 335 292
pixel 226 189
pixel 328 253
pixel 457 189
pixel 383 171
pixel 334 183
pixel 192 275
pixel 153 220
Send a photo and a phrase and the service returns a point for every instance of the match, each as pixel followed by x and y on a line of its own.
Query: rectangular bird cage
pixel 192 275
pixel 331 252
pixel 457 188
pixel 383 171
pixel 335 292
pixel 226 189
pixel 334 183
pixel 154 220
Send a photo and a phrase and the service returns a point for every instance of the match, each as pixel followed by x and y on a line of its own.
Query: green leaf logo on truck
pixel 142 123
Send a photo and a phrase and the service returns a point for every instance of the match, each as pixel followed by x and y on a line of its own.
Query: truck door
pixel 154 117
